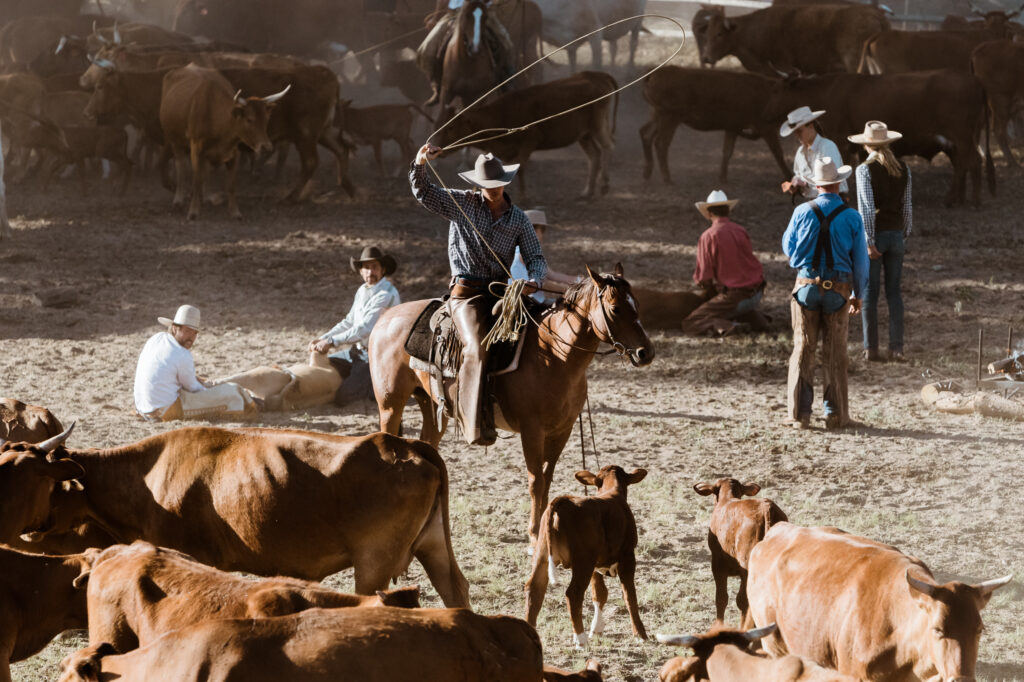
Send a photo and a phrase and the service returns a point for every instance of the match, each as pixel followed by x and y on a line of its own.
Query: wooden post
pixel 1009 340
pixel 981 339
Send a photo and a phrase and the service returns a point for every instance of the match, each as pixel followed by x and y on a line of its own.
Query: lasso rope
pixel 513 312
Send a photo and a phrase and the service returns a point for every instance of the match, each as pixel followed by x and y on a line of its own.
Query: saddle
pixel 434 346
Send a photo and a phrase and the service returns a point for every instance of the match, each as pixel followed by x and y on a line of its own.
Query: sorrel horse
pixel 468 69
pixel 541 399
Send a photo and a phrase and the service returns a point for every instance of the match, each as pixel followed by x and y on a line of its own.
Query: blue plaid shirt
pixel 467 253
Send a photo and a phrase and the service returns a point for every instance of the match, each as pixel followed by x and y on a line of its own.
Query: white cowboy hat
pixel 536 217
pixel 489 172
pixel 797 118
pixel 875 132
pixel 187 316
pixel 826 173
pixel 716 198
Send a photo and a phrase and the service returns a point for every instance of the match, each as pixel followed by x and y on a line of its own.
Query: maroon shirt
pixel 724 255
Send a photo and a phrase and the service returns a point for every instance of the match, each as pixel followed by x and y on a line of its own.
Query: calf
pixel 592 673
pixel 594 536
pixel 736 526
pixel 292 388
pixel 29 423
pixel 666 309
pixel 373 125
pixel 39 601
pixel 138 592
pixel 78 144
pixel 369 645
pixel 722 656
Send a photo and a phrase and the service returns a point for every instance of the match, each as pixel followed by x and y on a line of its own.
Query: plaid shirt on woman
pixel 467 253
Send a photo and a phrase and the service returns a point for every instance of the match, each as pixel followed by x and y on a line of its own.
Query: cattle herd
pixel 136 543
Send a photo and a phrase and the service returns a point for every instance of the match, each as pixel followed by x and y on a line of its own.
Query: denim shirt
pixel 849 248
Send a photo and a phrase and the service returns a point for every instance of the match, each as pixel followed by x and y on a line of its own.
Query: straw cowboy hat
pixel 489 172
pixel 537 217
pixel 373 253
pixel 875 132
pixel 826 173
pixel 716 198
pixel 187 316
pixel 797 118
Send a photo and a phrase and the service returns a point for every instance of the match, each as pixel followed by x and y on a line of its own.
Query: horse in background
pixel 468 68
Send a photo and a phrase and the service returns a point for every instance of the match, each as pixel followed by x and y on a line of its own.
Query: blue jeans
pixel 890 244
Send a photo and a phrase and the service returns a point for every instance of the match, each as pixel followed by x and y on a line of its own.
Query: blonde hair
pixel 882 155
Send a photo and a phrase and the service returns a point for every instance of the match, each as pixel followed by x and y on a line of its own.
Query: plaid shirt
pixel 866 203
pixel 467 253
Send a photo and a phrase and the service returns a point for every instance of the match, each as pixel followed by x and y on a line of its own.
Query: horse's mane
pixel 575 294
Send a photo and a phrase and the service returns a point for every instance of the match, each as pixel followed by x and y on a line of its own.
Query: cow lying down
pixel 340 645
pixel 291 388
pixel 138 592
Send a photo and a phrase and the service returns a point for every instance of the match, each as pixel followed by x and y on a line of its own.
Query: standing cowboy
pixel 813 146
pixel 485 229
pixel 825 242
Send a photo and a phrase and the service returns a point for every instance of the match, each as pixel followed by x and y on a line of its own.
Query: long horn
pixel 920 585
pixel 1015 12
pixel 117 34
pixel 975 10
pixel 758 633
pixel 51 444
pixel 61 44
pixel 270 99
pixel 989 585
pixel 102 63
pixel 238 96
pixel 677 640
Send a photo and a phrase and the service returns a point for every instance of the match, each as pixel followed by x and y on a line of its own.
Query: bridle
pixel 616 346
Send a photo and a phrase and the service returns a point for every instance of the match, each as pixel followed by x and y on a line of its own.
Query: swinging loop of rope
pixel 514 311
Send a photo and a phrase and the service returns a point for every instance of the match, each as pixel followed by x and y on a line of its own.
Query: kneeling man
pixel 166 385
pixel 729 273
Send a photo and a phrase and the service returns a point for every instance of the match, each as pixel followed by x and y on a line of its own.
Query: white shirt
pixel 165 367
pixel 803 163
pixel 519 271
pixel 369 303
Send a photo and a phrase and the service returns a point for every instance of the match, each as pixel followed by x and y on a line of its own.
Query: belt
pixel 844 288
pixel 472 282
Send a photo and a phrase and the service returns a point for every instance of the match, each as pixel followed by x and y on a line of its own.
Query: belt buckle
pixel 827 284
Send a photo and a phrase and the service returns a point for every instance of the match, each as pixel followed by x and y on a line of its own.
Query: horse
pixel 468 69
pixel 542 397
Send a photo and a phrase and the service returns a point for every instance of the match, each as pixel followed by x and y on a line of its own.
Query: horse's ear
pixel 619 272
pixel 594 276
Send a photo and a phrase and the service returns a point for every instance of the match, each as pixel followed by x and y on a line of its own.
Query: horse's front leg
pixel 553 446
pixel 533 452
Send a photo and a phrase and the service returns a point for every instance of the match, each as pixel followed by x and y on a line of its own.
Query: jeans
pixel 890 244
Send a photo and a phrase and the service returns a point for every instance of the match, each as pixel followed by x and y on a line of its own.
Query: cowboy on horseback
pixel 430 54
pixel 485 229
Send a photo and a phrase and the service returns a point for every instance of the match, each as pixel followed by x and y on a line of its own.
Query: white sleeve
pixel 186 371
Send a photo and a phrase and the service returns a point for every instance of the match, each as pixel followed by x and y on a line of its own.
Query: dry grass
pixel 941 487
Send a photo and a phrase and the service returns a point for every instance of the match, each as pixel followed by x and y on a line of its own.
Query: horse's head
pixel 470 23
pixel 607 301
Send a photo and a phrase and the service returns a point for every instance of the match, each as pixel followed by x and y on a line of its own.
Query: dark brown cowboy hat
pixel 490 172
pixel 374 253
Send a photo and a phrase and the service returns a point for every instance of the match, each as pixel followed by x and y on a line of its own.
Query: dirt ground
pixel 940 487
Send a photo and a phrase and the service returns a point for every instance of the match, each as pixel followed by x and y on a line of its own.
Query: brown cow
pixel 298 503
pixel 138 592
pixel 205 118
pixel 666 309
pixel 722 656
pixel 736 526
pixel 999 66
pixel 373 125
pixel 592 673
pixel 39 602
pixel 707 100
pixel 935 110
pixel 29 423
pixel 21 96
pixel 594 536
pixel 592 126
pixel 368 645
pixel 23 40
pixel 903 51
pixel 862 607
pixel 78 144
pixel 998 23
pixel 809 38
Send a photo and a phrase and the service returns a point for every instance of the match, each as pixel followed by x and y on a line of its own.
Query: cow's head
pixel 29 475
pixel 718 36
pixel 85 665
pixel 726 489
pixel 106 96
pixel 250 117
pixel 694 668
pixel 611 478
pixel 953 626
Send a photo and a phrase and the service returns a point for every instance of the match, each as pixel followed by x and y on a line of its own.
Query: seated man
pixel 430 53
pixel 372 298
pixel 728 272
pixel 166 385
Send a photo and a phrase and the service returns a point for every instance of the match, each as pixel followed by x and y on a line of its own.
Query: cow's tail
pixel 459 586
pixel 422 113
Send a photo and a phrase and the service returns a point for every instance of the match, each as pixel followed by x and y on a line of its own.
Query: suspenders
pixel 824 235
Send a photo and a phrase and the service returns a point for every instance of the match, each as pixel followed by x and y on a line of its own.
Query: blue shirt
pixel 849 248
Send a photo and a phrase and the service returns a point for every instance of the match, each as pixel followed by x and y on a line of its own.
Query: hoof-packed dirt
pixel 941 487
